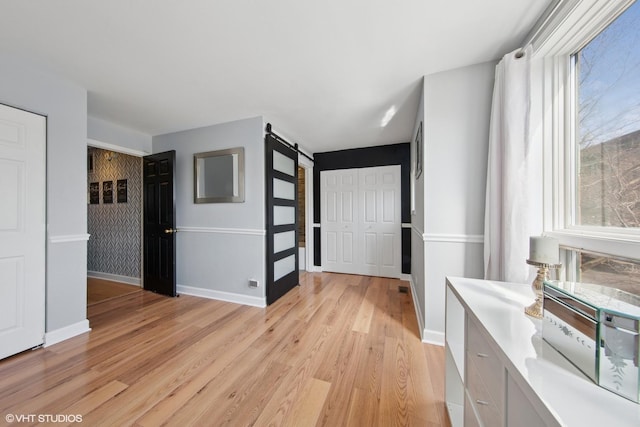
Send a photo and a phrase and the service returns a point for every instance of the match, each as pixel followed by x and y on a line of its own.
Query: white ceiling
pixel 325 73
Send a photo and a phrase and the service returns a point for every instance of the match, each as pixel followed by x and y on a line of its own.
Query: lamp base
pixel 535 310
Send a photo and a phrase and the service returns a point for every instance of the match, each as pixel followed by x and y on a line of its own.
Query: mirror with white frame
pixel 219 176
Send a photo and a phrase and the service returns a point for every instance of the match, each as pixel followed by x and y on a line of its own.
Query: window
pixel 589 94
pixel 607 139
pixel 620 273
pixel 608 125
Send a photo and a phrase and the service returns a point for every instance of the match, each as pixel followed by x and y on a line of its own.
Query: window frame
pixel 573 25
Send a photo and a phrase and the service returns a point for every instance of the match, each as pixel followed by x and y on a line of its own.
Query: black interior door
pixel 282 218
pixel 159 223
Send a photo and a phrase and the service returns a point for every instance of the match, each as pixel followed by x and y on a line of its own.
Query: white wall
pixel 457 107
pixel 128 140
pixel 29 87
pixel 220 246
pixel 417 221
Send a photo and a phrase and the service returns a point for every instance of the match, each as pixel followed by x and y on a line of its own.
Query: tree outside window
pixel 608 143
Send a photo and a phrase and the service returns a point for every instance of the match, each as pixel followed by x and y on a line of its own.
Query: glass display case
pixel 597 328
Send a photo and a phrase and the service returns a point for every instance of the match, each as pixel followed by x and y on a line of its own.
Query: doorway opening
pixel 114 223
pixel 305 213
pixel 302 224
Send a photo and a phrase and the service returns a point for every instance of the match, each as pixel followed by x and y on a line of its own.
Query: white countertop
pixel 572 398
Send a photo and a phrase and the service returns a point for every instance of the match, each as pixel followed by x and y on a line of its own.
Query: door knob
pixel 170 231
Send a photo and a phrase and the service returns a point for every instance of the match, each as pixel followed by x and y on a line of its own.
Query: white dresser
pixel 500 373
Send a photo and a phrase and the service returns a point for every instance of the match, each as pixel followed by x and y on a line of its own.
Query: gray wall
pixel 26 86
pixel 457 108
pixel 114 246
pixel 220 246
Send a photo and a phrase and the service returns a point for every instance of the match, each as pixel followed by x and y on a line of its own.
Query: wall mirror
pixel 219 176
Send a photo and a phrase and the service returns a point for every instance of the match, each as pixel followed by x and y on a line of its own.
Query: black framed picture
pixel 107 192
pixel 94 193
pixel 90 161
pixel 121 189
pixel 419 151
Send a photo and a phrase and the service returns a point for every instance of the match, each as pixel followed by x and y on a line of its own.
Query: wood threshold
pixel 101 290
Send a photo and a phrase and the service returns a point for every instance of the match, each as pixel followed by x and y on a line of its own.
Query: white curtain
pixel 512 211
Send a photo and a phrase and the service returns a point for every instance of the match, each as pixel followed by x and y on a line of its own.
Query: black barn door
pixel 282 218
pixel 159 223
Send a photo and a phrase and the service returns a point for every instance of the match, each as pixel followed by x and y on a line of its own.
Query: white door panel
pixel 347 248
pixel 360 221
pixel 389 207
pixel 330 247
pixel 22 230
pixel 339 219
pixel 347 208
pixel 370 205
pixel 331 207
pixel 388 256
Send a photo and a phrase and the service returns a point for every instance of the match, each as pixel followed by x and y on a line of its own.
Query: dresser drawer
pixel 488 366
pixel 486 405
pixel 470 417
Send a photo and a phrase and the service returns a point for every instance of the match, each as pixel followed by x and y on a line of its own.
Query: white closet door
pixel 360 221
pixel 22 230
pixel 379 194
pixel 339 220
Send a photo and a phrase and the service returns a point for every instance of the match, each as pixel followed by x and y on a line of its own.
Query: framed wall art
pixel 122 190
pixel 94 193
pixel 419 152
pixel 107 192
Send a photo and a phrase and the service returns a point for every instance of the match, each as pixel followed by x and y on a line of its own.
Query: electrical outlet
pixel 253 283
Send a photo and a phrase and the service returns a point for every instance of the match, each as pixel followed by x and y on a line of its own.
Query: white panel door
pixel 339 218
pixel 22 230
pixel 360 221
pixel 380 221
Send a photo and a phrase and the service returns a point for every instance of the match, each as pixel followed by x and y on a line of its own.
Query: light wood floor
pixel 99 290
pixel 339 350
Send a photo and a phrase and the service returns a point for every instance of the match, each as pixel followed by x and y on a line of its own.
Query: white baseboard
pixel 59 335
pixel 115 278
pixel 405 276
pixel 417 309
pixel 427 336
pixel 433 337
pixel 222 296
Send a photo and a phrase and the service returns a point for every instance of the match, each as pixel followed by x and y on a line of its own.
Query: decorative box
pixel 596 328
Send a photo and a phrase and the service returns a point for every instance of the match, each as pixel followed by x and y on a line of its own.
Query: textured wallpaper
pixel 115 228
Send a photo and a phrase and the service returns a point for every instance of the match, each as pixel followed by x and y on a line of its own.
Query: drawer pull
pixel 482 402
pixel 483 355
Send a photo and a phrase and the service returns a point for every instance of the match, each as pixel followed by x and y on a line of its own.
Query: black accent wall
pixel 383 155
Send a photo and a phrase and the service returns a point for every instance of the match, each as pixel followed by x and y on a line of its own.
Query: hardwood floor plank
pixel 240 405
pixel 436 366
pixel 337 350
pixel 335 410
pixel 96 398
pixel 368 377
pixel 309 406
pixel 365 312
pixel 394 399
pixel 363 409
pixel 61 394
